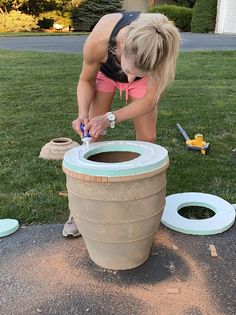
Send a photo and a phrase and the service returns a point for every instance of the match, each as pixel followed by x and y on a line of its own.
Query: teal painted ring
pixel 8 226
pixel 151 157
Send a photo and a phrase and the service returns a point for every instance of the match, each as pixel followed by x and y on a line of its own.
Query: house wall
pixel 135 5
pixel 142 5
pixel 226 16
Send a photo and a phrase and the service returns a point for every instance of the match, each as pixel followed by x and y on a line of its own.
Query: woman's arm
pixel 86 86
pixel 93 53
pixel 141 106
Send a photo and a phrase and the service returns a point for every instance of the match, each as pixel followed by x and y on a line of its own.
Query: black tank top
pixel 111 68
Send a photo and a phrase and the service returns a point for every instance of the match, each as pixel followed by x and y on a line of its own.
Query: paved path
pixel 42 272
pixel 74 43
pixel 193 41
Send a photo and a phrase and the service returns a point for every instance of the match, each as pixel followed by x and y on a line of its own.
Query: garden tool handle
pixel 183 132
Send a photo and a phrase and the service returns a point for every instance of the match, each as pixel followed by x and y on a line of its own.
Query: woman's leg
pixel 146 125
pixel 101 104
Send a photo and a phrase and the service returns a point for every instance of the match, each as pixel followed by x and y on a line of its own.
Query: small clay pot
pixel 56 148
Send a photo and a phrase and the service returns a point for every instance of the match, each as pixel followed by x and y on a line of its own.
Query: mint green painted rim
pixel 127 172
pixel 159 157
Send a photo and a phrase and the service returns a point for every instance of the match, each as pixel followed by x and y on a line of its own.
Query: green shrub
pixel 48 19
pixel 185 3
pixel 204 16
pixel 181 16
pixel 15 21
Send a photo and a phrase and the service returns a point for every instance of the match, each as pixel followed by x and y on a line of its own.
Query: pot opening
pixel 61 141
pixel 113 156
pixel 196 212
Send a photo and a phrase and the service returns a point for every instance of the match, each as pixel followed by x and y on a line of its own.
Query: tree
pixel 34 7
pixel 73 3
pixel 90 11
pixel 9 5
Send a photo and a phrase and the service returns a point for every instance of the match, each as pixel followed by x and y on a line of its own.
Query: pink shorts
pixel 136 89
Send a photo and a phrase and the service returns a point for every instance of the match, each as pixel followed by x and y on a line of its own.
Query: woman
pixel 133 52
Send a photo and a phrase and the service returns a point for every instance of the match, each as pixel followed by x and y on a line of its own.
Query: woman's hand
pixel 97 126
pixel 77 122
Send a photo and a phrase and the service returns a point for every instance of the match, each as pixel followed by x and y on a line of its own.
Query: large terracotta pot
pixel 116 195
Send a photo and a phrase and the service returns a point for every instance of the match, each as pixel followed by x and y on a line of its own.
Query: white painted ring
pixel 223 219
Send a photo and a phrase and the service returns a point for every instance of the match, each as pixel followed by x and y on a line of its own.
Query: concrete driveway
pixel 43 273
pixel 74 43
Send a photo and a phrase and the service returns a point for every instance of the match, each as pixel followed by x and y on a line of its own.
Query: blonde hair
pixel 154 41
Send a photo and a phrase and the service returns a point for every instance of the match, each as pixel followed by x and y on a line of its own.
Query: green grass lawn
pixel 38 103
